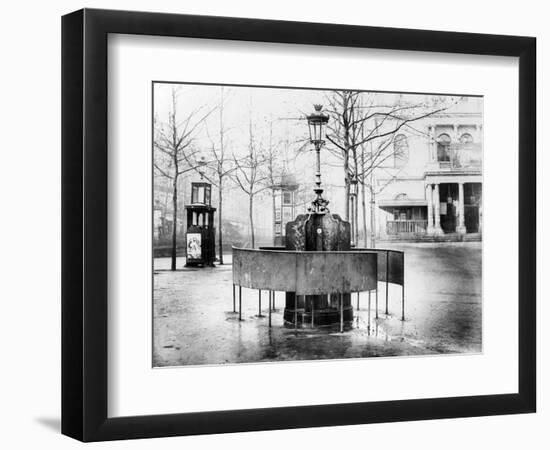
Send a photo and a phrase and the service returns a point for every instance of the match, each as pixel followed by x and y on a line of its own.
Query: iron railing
pixel 406 226
pixel 461 157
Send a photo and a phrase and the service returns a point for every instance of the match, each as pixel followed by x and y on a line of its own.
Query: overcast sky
pixel 280 110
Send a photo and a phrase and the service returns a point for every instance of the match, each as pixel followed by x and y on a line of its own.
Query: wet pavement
pixel 194 322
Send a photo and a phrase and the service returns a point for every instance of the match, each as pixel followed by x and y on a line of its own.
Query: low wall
pixel 305 273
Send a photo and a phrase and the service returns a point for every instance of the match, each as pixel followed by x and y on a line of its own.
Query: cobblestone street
pixel 194 322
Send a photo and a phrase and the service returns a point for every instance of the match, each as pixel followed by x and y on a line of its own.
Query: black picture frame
pixel 84 224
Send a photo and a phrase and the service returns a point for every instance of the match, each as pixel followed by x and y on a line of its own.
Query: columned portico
pixel 453 203
pixel 460 228
pixel 439 197
pixel 430 201
pixel 437 215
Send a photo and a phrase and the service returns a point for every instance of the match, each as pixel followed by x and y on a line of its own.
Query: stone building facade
pixel 433 188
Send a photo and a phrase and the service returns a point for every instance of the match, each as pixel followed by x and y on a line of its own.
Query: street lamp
pixel 200 236
pixel 317 122
pixel 201 190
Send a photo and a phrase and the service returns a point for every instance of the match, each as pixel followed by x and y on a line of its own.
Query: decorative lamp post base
pixel 319 232
pixel 324 315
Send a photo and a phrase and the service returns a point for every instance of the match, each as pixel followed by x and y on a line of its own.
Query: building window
pixel 469 154
pixel 444 148
pixel 400 150
pixel 287 198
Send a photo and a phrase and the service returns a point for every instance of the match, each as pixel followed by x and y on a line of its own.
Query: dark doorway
pixel 448 200
pixel 472 201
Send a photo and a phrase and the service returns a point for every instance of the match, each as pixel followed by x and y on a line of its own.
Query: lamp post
pixel 319 231
pixel 317 122
pixel 353 184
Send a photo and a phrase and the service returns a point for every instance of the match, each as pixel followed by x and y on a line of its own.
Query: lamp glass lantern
pixel 200 191
pixel 317 121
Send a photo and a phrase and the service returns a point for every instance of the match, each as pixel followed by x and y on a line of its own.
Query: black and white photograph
pixel 270 225
pixel 296 224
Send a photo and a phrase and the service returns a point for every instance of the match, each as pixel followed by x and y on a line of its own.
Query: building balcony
pixel 406 227
pixel 457 158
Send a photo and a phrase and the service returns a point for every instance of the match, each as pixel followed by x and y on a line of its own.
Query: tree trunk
pixel 174 222
pixel 364 211
pixel 372 220
pixel 356 219
pixel 220 180
pixel 220 203
pixel 355 211
pixel 372 202
pixel 352 223
pixel 274 215
pixel 251 214
pixel 346 187
pixel 363 198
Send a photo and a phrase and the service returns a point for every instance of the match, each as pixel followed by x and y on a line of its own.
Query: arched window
pixel 469 154
pixel 400 150
pixel 444 148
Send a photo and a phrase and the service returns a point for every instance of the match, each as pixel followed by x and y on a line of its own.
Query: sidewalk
pixel 194 323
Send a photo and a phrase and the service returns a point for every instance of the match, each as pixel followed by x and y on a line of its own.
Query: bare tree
pixel 173 144
pixel 277 156
pixel 272 170
pixel 363 184
pixel 221 165
pixel 250 176
pixel 362 133
pixel 342 131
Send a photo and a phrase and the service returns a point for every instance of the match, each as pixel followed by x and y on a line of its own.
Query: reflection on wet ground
pixel 194 323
